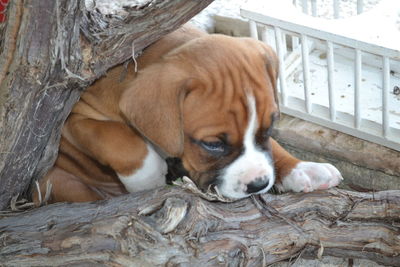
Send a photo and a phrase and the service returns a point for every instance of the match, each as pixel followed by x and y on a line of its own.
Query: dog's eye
pixel 267 133
pixel 217 147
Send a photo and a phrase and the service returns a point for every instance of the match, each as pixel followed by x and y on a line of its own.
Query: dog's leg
pixel 296 175
pixel 64 187
pixel 116 145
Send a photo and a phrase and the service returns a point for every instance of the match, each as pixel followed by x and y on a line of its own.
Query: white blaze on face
pixel 253 167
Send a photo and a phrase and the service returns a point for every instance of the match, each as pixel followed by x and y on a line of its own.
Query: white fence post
pixel 253 29
pixel 357 85
pixel 295 42
pixel 268 37
pixel 385 96
pixel 284 46
pixel 306 72
pixel 331 66
pixel 282 69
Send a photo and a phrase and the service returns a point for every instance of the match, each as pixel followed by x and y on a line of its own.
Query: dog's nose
pixel 257 185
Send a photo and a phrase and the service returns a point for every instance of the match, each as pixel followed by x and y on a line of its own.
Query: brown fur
pixel 190 86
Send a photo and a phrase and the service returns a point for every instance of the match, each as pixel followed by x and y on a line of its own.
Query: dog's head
pixel 211 103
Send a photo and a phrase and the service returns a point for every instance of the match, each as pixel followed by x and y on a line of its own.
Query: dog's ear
pixel 153 105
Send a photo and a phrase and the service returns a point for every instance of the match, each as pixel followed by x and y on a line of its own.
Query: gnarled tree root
pixel 173 226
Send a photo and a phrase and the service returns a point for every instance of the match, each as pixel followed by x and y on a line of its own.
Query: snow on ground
pixel 231 8
pixel 228 8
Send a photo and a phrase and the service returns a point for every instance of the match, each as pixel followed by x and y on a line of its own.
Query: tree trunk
pixel 50 50
pixel 172 226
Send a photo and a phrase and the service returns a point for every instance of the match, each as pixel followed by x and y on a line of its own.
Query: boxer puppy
pixel 207 101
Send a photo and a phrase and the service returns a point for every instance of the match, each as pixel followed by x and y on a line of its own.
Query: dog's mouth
pixel 209 182
pixel 204 180
pixel 213 181
pixel 175 169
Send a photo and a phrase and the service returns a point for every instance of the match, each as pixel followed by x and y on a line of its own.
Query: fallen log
pixel 171 226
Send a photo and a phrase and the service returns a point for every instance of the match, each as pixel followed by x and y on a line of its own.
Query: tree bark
pixel 50 50
pixel 172 226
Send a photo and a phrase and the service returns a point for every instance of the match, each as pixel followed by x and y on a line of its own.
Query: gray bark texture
pixel 50 50
pixel 174 227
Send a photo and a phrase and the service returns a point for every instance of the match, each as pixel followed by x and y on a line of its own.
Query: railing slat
pixel 357 85
pixel 295 42
pixel 268 37
pixel 253 29
pixel 264 35
pixel 385 96
pixel 282 69
pixel 284 46
pixel 331 66
pixel 306 72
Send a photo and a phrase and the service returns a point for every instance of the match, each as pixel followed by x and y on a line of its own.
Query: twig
pixel 134 58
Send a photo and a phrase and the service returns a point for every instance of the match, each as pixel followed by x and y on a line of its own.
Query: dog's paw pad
pixel 310 176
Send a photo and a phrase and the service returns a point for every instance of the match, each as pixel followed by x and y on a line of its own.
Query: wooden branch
pixel 171 226
pixel 50 50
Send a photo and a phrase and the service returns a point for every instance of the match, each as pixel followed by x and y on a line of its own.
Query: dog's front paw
pixel 309 176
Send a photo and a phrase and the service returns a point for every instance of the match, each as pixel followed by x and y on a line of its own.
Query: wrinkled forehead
pixel 220 115
pixel 260 110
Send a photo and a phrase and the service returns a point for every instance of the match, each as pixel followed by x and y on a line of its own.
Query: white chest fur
pixel 150 175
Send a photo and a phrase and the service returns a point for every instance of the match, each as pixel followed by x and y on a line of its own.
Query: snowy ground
pixel 231 8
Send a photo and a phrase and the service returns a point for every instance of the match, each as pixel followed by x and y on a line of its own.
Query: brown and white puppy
pixel 208 101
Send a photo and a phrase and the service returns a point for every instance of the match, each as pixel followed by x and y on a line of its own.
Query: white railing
pixel 343 74
pixel 336 11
